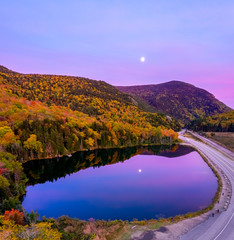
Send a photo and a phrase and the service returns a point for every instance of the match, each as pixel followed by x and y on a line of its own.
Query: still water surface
pixel 102 184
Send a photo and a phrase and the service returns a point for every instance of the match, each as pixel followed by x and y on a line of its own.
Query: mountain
pixel 83 94
pixel 46 115
pixel 76 92
pixel 178 99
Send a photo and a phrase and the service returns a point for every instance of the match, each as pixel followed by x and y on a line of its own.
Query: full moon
pixel 139 170
pixel 142 59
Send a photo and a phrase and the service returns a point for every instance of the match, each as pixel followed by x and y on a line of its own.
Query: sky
pixel 190 41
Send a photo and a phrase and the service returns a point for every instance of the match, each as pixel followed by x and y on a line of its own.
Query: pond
pixel 128 183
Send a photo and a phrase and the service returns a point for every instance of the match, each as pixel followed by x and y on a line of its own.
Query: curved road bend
pixel 221 225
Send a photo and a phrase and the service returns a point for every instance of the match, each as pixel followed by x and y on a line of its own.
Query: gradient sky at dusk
pixel 191 41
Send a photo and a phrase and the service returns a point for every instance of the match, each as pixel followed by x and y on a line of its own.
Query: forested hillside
pixel 223 122
pixel 178 99
pixel 82 94
pixel 48 115
pixel 44 116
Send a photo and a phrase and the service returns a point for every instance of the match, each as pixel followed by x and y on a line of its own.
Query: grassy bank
pixel 225 139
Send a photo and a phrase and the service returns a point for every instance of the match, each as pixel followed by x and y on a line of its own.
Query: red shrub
pixel 15 215
pixel 3 170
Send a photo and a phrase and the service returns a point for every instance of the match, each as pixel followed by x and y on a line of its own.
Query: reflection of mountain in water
pixel 180 151
pixel 40 171
pixel 175 151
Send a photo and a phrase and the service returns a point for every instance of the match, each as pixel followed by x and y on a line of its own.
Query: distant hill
pixel 178 99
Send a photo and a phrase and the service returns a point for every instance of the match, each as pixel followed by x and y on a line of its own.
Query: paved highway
pixel 214 145
pixel 221 225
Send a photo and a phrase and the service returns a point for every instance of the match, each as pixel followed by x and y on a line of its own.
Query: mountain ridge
pixel 178 99
pixel 175 98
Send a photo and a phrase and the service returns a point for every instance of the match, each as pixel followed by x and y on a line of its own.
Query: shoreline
pixel 103 148
pixel 183 223
pixel 219 204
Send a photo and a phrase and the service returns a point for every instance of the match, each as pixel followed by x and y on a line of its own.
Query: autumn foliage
pixel 2 169
pixel 218 123
pixel 178 99
pixel 46 115
pixel 14 215
pixel 43 230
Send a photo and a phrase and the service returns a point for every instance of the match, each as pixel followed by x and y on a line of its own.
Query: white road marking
pixel 224 162
pixel 224 226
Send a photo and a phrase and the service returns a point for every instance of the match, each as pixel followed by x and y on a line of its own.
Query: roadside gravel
pixel 213 224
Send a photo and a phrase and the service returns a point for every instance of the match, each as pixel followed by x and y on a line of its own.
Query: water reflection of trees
pixel 40 171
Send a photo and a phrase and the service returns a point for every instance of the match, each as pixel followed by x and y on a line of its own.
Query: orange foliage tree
pixel 15 215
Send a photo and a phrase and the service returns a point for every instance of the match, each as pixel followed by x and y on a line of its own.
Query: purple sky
pixel 191 41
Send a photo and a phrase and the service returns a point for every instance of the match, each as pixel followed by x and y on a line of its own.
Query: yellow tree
pixel 33 145
pixel 7 136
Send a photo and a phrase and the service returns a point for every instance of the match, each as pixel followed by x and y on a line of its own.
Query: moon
pixel 139 170
pixel 142 59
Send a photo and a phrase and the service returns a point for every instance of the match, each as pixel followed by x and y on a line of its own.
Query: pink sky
pixel 104 40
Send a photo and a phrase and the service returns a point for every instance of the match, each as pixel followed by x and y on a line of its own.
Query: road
pixel 214 145
pixel 221 225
